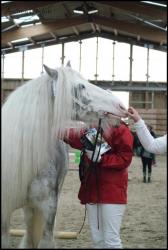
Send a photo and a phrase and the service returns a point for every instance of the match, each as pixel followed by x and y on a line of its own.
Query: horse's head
pixel 89 101
pixel 93 102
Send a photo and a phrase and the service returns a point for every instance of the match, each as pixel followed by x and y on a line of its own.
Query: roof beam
pixel 133 41
pixel 13 7
pixel 103 34
pixel 136 85
pixel 138 8
pixel 75 30
pixel 146 33
pixel 41 29
pixel 53 35
pixel 31 40
pixel 98 28
pixel 134 7
pixel 68 12
pixel 93 27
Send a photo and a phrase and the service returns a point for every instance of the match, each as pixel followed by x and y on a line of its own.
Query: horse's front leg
pixel 43 197
pixel 39 224
pixel 5 232
pixel 49 209
pixel 34 227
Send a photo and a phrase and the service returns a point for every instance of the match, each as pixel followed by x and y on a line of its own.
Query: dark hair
pixel 149 126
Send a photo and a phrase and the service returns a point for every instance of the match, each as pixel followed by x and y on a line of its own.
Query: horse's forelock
pixel 64 108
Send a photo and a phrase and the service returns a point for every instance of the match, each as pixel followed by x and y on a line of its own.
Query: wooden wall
pixel 7 86
pixel 153 109
pixel 157 118
pixel 149 100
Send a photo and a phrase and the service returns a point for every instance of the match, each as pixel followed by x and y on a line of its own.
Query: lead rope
pixel 83 222
pixel 96 174
pixel 99 131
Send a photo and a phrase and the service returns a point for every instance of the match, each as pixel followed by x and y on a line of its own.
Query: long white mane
pixel 32 118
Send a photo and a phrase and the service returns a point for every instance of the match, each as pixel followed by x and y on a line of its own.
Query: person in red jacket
pixel 104 182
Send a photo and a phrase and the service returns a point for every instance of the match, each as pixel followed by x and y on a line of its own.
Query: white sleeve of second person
pixel 151 144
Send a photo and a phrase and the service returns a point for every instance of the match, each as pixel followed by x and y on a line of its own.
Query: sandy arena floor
pixel 144 224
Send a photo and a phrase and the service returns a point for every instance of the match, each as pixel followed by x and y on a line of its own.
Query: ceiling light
pixel 5 1
pixel 27 12
pixel 4 19
pixel 79 10
pixel 20 40
pixel 85 9
pixel 155 3
pixel 26 19
pixel 27 25
pixel 91 10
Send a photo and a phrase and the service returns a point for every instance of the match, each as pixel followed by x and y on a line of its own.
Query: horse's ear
pixel 68 64
pixel 51 72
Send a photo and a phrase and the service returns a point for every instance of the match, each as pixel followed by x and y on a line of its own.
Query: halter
pixel 79 103
pixel 53 88
pixel 115 116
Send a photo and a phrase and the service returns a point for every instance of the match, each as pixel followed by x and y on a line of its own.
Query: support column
pixel 63 56
pixel 96 75
pixel 130 72
pixel 80 55
pixel 3 60
pixel 147 81
pixel 23 58
pixel 153 96
pixel 131 60
pixel 42 58
pixel 2 77
pixel 113 75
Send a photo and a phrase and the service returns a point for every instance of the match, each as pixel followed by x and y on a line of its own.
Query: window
pixel 88 66
pixel 121 61
pixel 52 55
pixel 33 63
pixel 139 65
pixel 72 54
pixel 157 65
pixel 105 59
pixel 13 65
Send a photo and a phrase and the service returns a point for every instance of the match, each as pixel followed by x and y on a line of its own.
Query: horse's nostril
pixel 121 107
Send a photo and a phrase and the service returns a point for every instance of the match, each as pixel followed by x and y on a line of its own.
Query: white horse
pixel 34 159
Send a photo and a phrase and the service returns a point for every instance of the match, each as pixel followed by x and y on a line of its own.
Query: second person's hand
pixel 133 113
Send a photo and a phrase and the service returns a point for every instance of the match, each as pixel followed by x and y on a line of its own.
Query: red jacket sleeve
pixel 72 138
pixel 120 155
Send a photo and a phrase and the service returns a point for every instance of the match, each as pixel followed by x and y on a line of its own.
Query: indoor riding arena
pixel 118 46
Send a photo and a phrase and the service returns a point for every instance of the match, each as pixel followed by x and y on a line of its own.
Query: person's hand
pixel 89 155
pixel 133 113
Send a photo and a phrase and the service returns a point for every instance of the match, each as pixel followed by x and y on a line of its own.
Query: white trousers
pixel 109 218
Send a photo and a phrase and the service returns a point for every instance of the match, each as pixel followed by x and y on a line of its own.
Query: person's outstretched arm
pixel 151 144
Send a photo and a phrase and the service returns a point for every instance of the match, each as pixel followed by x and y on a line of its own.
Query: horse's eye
pixel 81 86
pixel 78 90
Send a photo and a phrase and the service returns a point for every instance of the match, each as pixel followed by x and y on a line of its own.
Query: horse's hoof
pixel 46 244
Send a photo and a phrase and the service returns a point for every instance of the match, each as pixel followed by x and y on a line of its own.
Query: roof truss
pixel 148 33
pixel 134 28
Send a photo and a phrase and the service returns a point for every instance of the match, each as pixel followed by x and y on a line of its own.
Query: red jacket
pixel 107 183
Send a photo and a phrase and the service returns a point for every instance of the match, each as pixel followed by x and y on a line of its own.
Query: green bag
pixel 138 151
pixel 77 156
